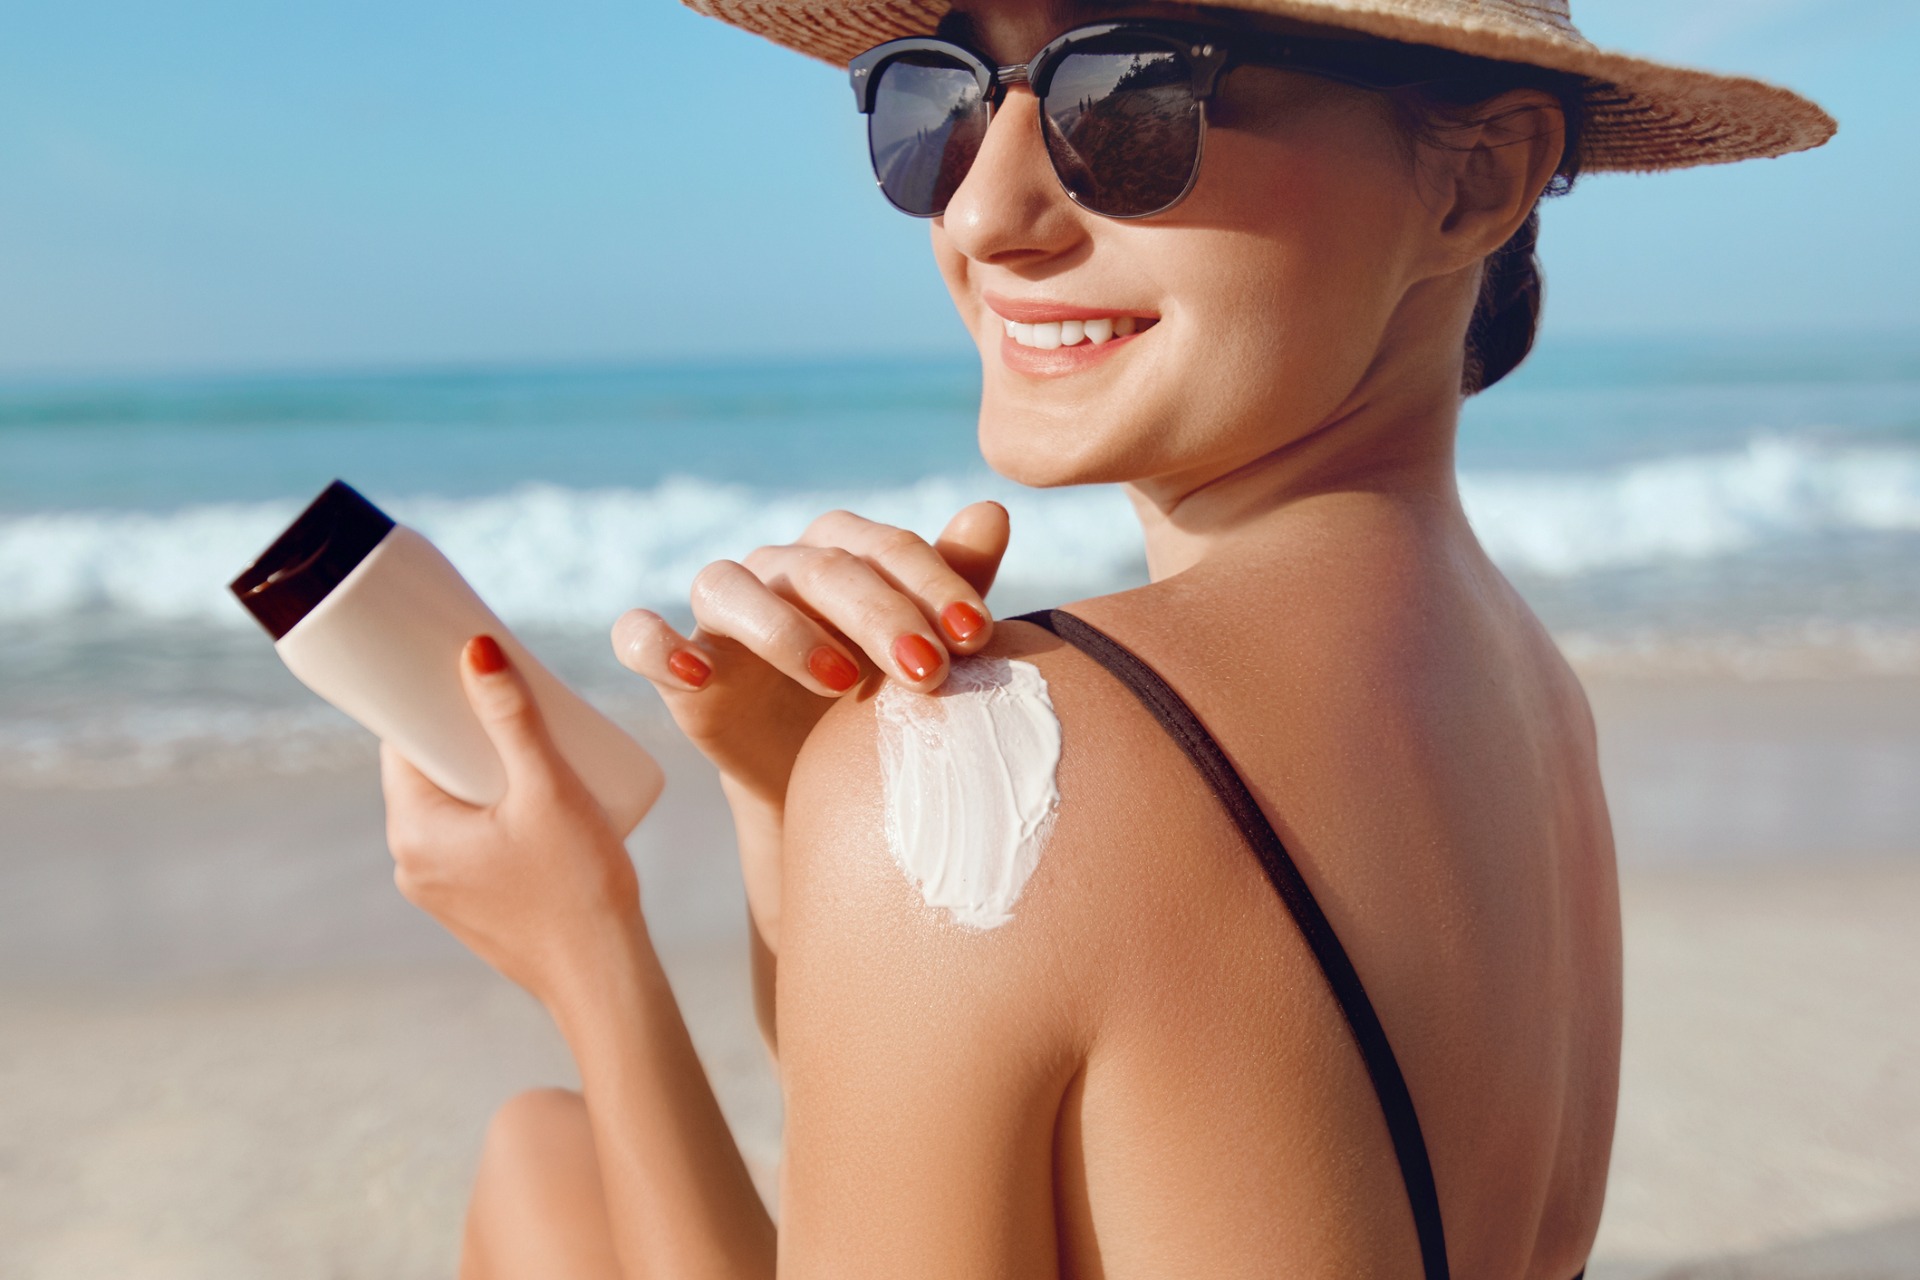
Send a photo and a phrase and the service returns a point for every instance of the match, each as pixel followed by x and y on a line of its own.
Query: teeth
pixel 1071 333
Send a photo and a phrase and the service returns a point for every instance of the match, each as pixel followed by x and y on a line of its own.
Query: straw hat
pixel 1644 115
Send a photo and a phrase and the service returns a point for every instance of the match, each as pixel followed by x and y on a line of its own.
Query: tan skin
pixel 1143 1074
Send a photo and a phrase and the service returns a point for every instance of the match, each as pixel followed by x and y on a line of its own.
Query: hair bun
pixel 1507 317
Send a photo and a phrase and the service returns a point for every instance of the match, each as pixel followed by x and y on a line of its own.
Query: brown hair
pixel 1506 319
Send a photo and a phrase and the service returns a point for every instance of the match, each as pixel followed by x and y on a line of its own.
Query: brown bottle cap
pixel 316 553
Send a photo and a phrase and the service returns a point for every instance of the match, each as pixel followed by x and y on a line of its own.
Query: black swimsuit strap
pixel 1178 719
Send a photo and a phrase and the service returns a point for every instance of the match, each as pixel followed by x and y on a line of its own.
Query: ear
pixel 1489 172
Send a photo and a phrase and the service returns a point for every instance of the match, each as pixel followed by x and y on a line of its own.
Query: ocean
pixel 1734 507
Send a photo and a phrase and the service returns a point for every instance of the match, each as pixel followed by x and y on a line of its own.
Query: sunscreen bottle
pixel 372 617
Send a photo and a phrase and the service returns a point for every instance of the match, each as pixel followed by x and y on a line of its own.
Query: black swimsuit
pixel 1167 707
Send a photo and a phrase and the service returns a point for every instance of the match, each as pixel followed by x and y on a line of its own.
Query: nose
pixel 1010 209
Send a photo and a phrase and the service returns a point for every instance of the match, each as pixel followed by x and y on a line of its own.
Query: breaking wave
pixel 547 555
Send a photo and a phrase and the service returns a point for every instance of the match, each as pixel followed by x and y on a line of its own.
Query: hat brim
pixel 1644 116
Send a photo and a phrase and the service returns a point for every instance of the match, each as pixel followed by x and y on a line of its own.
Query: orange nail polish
pixel 831 668
pixel 916 656
pixel 962 621
pixel 485 654
pixel 689 667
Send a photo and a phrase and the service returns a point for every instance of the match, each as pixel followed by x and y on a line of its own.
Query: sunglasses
pixel 1122 105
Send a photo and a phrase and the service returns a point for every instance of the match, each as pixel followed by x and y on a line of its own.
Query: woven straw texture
pixel 1646 115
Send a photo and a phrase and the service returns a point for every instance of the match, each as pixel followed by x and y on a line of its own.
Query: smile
pixel 1047 338
pixel 1053 334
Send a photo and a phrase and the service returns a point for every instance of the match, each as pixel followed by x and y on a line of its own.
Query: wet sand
pixel 227 1048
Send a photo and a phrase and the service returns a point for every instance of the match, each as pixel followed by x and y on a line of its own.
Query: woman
pixel 1303 960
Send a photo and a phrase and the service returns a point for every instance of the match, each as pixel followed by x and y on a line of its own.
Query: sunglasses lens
pixel 927 122
pixel 1123 128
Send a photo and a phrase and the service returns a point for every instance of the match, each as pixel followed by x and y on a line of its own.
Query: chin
pixel 1109 423
pixel 1042 451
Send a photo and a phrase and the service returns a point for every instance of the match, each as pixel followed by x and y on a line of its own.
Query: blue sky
pixel 247 184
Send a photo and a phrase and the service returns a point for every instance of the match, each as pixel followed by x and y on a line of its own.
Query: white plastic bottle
pixel 372 617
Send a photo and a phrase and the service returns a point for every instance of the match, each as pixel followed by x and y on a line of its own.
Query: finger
pixel 730 601
pixel 913 568
pixel 499 695
pixel 850 595
pixel 648 646
pixel 974 542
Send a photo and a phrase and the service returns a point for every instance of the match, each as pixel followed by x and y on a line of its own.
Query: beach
pixel 232 1050
pixel 229 1049
pixel 589 332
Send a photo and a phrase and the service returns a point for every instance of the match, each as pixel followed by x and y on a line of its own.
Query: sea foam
pixel 547 555
pixel 1691 508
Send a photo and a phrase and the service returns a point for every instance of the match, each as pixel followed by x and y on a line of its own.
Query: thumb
pixel 500 698
pixel 973 543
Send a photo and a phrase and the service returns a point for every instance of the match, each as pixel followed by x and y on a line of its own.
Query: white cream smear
pixel 969 774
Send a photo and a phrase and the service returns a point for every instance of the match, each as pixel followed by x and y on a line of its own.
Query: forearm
pixel 679 1197
pixel 759 830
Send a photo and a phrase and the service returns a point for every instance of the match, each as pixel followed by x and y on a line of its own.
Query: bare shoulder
pixel 967 830
pixel 1009 841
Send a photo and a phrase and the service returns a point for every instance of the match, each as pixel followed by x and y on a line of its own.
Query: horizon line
pixel 50 378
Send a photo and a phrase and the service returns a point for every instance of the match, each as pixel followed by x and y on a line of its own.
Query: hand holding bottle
pixel 538 884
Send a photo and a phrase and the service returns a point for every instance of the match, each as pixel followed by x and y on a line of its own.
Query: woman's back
pixel 1427 759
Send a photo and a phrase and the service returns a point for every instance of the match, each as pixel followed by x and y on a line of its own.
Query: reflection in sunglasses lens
pixel 1123 129
pixel 927 123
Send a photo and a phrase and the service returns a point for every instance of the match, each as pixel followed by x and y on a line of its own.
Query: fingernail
pixel 485 655
pixel 831 668
pixel 916 656
pixel 962 620
pixel 689 667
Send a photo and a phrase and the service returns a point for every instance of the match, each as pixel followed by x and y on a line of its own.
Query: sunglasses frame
pixel 1209 50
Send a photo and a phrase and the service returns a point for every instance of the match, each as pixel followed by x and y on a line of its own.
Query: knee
pixel 534 1128
pixel 537 1141
pixel 537 1176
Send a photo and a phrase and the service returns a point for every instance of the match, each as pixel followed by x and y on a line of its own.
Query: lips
pixel 1047 338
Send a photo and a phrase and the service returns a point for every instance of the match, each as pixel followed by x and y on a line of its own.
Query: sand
pixel 227 1049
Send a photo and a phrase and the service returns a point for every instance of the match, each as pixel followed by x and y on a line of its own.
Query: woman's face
pixel 1263 298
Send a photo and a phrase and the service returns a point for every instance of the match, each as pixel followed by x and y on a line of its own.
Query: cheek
pixel 1289 262
pixel 1304 243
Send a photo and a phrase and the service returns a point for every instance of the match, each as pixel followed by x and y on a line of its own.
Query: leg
pixel 537 1208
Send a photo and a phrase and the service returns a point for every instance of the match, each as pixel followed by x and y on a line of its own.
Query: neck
pixel 1396 447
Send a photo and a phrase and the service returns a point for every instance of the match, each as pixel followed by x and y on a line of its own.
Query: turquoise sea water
pixel 1735 505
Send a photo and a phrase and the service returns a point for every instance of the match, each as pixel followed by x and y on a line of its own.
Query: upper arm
pixel 923 1061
